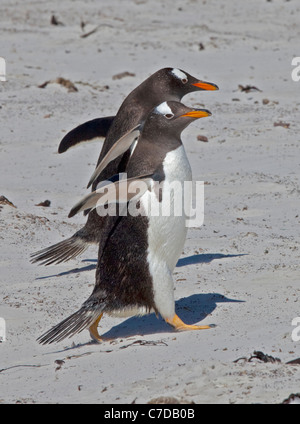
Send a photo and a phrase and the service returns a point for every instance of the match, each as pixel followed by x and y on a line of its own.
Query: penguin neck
pixel 149 94
pixel 159 140
pixel 136 107
pixel 139 103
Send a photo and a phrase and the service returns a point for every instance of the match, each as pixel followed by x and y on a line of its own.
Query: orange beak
pixel 209 86
pixel 196 114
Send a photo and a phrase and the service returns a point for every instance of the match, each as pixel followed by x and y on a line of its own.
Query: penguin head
pixel 173 117
pixel 175 83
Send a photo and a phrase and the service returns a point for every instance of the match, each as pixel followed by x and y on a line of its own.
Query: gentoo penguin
pixel 165 84
pixel 136 261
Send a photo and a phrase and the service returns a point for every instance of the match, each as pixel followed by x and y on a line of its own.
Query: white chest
pixel 176 166
pixel 167 230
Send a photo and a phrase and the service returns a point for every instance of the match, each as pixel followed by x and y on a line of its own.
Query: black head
pixel 173 84
pixel 171 118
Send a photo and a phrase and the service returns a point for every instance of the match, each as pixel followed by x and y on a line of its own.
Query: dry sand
pixel 240 270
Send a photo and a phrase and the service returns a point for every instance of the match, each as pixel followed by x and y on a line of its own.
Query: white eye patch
pixel 164 109
pixel 179 74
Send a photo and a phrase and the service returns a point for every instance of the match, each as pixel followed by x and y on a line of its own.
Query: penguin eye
pixel 169 115
pixel 184 80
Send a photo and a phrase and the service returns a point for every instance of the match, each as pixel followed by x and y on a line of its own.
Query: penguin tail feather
pixel 60 252
pixel 70 326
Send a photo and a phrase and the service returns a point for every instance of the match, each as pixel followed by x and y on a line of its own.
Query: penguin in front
pixel 165 84
pixel 138 256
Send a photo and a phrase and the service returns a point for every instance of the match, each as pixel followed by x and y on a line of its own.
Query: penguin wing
pixel 121 191
pixel 96 128
pixel 119 147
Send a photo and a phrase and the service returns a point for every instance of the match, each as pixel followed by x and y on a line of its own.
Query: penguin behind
pixel 172 83
pixel 165 84
pixel 135 265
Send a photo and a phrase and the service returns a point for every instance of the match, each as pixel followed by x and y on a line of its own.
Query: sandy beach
pixel 239 271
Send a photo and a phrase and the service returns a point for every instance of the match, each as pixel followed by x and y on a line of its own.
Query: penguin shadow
pixel 192 309
pixel 204 258
pixel 71 271
pixel 189 260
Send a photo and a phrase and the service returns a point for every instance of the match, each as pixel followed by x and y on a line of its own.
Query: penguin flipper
pixel 96 128
pixel 62 251
pixel 121 191
pixel 119 147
